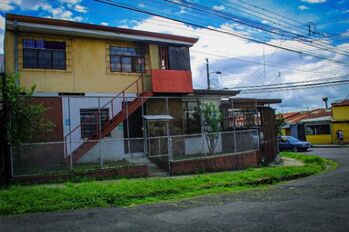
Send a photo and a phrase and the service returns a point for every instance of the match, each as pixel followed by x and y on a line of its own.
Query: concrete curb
pixel 329 146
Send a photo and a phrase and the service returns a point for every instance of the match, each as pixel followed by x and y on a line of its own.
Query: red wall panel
pixel 172 81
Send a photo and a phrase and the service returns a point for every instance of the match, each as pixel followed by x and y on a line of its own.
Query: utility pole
pixel 208 74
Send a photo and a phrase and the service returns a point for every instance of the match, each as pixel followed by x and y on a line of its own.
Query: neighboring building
pixel 319 126
pixel 108 87
pixel 340 120
pixel 296 126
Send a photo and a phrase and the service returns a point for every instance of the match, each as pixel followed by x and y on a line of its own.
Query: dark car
pixel 293 144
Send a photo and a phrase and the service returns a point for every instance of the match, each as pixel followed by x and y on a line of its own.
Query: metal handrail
pixel 112 105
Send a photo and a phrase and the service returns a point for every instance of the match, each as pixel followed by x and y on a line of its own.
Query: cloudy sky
pixel 252 43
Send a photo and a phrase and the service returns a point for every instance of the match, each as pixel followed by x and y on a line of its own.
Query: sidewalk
pixel 330 146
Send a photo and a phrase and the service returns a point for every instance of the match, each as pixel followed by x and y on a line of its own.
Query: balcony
pixel 171 81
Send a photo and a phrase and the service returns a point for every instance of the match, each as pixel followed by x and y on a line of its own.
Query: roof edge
pixel 88 26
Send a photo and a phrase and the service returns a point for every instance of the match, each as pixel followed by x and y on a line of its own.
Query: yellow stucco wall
pixel 87 66
pixel 319 139
pixel 340 112
pixel 344 126
pixel 340 122
pixel 154 56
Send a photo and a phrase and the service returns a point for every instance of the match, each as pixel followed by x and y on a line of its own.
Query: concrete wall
pixel 344 126
pixel 340 112
pixel 111 148
pixel 340 122
pixel 216 163
pixel 87 62
pixel 319 139
pixel 294 131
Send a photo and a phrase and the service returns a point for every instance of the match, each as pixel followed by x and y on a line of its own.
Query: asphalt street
pixel 315 203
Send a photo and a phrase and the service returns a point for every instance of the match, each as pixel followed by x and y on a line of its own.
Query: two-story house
pixel 91 64
pixel 110 91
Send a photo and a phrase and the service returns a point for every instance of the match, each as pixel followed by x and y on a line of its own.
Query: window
pixel 318 129
pixel 124 59
pixel 44 54
pixel 89 121
pixel 163 54
pixel 192 122
pixel 174 58
pixel 179 58
pixel 242 119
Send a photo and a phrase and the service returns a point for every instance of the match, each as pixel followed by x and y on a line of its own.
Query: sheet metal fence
pixel 50 158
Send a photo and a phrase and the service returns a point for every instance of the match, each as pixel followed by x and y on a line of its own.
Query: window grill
pixel 124 59
pixel 89 121
pixel 41 54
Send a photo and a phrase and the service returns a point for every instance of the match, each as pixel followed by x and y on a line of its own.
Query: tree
pixel 280 122
pixel 212 123
pixel 21 120
pixel 26 119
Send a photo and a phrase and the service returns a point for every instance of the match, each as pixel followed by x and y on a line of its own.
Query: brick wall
pixel 216 163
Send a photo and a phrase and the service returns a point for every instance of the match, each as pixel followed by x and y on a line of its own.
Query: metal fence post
pixel 70 140
pixel 128 130
pixel 234 126
pixel 144 131
pixel 11 160
pixel 100 132
pixel 203 152
pixel 169 147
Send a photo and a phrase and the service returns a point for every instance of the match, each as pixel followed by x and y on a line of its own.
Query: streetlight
pixel 208 74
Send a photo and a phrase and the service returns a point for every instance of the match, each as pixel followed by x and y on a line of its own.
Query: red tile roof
pixel 296 117
pixel 341 103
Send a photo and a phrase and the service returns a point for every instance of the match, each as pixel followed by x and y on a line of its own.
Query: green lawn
pixel 126 192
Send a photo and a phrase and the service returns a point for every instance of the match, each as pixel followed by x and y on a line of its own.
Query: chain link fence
pixel 52 158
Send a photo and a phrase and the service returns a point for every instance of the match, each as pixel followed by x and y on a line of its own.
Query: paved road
pixel 316 203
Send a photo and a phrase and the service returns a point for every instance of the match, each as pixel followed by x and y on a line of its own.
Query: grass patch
pixel 127 192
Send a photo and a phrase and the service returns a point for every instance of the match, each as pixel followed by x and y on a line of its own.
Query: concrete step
pixel 155 171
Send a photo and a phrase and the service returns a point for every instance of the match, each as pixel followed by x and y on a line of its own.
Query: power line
pixel 292 89
pixel 251 61
pixel 278 88
pixel 112 3
pixel 323 80
pixel 252 24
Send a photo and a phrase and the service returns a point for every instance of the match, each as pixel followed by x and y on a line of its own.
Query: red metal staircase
pixel 127 109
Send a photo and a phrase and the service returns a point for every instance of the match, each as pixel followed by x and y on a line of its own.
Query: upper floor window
pixel 174 58
pixel 44 54
pixel 123 59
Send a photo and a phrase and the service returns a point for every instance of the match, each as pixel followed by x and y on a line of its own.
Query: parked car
pixel 293 144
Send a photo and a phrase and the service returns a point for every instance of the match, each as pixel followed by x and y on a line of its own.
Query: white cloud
pixel 2 22
pixel 80 8
pixel 314 1
pixel 7 5
pixel 2 27
pixel 221 7
pixel 104 23
pixel 302 7
pixel 61 13
pixel 70 1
